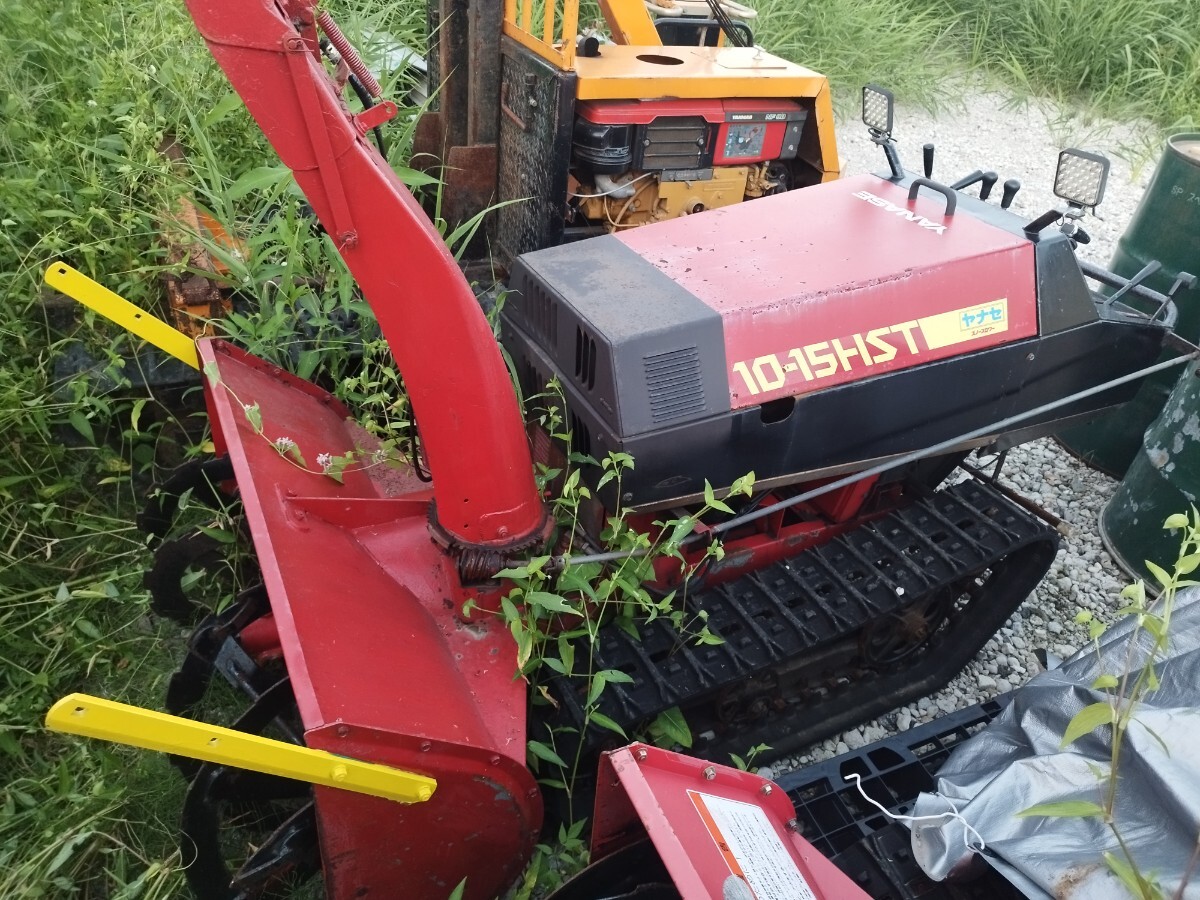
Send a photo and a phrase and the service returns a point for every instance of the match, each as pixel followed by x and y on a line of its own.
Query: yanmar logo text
pixel 908 214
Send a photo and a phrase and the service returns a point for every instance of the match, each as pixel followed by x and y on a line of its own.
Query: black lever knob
pixel 988 182
pixel 927 157
pixel 1010 191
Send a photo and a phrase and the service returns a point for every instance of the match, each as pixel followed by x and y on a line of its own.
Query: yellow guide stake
pixel 137 727
pixel 145 325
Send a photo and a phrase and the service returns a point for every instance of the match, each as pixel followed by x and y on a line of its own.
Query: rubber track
pixel 966 539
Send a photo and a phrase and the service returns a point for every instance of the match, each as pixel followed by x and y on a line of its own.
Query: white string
pixel 891 815
pixel 617 189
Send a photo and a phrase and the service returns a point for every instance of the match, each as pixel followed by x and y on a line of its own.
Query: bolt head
pixel 709 773
pixel 641 755
pixel 766 790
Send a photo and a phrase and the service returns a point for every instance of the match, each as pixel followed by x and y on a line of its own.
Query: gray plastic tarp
pixel 1017 763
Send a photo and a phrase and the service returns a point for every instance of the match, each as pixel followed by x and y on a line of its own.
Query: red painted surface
pixel 643 789
pixel 383 670
pixel 440 339
pixel 722 113
pixel 794 273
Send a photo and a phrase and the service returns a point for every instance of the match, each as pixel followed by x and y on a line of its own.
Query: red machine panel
pixel 710 824
pixel 382 668
pixel 747 131
pixel 804 308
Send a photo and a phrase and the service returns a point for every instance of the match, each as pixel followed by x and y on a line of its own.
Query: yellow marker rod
pixel 145 325
pixel 123 724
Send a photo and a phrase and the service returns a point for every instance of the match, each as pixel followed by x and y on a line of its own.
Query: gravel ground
pixel 1020 139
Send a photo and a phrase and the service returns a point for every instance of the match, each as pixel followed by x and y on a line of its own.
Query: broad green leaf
pixel 1187 564
pixel 674 726
pixel 549 602
pixel 1134 882
pixel 573 580
pixel 81 424
pixel 742 486
pixel 541 751
pixel 218 534
pixel 1087 720
pixel 1064 809
pixel 518 572
pixel 135 414
pixel 509 609
pixel 457 893
pixel 1159 573
pixel 1178 520
pixel 1135 592
pixel 414 178
pixel 253 416
pixel 258 179
pixel 1104 682
pixel 738 761
pixel 615 676
pixel 605 722
pixel 596 688
pixel 566 652
pixel 307 363
pixel 222 108
pixel 88 629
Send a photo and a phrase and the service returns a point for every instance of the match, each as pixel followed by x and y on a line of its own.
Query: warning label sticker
pixel 752 848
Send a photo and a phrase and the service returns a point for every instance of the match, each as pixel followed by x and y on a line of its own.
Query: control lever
pixel 1010 192
pixel 986 179
pixel 1147 270
pixel 988 182
pixel 927 157
pixel 967 180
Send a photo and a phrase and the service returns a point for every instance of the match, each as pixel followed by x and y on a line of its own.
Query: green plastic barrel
pixel 1163 479
pixel 1165 227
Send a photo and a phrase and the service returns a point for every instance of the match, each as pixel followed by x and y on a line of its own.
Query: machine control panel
pixel 744 141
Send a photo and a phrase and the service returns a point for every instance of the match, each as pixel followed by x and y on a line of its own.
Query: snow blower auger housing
pixel 850 343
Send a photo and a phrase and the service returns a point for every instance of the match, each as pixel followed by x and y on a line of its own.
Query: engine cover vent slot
pixel 581 437
pixel 585 358
pixel 541 311
pixel 674 384
pixel 674 142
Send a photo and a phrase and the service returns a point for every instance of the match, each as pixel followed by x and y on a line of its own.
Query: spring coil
pixel 348 53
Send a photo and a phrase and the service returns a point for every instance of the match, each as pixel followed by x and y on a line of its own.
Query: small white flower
pixel 92 104
pixel 324 460
pixel 379 456
pixel 284 444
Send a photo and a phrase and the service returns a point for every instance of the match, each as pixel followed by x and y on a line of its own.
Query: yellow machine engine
pixel 662 118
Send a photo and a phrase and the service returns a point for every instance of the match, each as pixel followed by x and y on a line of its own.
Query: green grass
pixel 1119 58
pixel 88 92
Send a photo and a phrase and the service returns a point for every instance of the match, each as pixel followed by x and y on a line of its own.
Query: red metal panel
pixel 442 343
pixel 844 281
pixel 641 112
pixel 383 669
pixel 710 823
